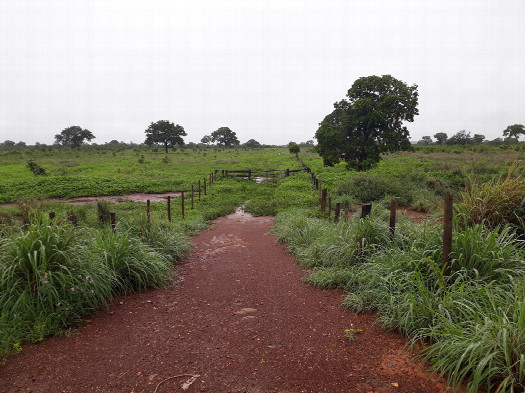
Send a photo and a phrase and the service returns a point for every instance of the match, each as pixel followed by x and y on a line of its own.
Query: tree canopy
pixel 441 138
pixel 73 136
pixel 368 123
pixel 514 131
pixel 165 133
pixel 224 137
pixel 460 138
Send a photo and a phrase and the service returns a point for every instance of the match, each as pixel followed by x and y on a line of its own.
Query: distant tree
pixel 514 131
pixel 190 145
pixel 294 148
pixel 309 143
pixel 165 133
pixel 8 143
pixel 114 142
pixel 368 123
pixel 206 139
pixel 510 141
pixel 460 138
pixel 441 138
pixel 478 139
pixel 496 141
pixel 426 140
pixel 252 144
pixel 224 137
pixel 73 137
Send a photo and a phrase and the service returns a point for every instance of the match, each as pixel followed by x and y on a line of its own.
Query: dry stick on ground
pixel 175 376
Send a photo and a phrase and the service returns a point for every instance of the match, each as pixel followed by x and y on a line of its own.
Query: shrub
pixel 494 203
pixel 36 169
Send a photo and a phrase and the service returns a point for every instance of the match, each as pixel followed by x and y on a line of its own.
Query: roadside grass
pixel 53 273
pixel 474 319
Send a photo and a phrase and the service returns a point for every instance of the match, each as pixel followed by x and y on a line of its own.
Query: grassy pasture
pixel 95 172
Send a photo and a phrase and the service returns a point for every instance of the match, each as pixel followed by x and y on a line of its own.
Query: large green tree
pixel 224 137
pixel 165 133
pixel 368 123
pixel 73 136
pixel 514 131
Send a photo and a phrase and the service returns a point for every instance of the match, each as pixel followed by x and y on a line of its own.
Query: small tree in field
pixel 294 148
pixel 368 123
pixel 165 133
pixel 73 136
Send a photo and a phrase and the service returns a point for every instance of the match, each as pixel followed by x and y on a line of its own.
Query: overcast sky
pixel 270 70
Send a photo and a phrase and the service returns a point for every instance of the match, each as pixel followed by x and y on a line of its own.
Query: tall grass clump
pixel 132 263
pixel 48 280
pixel 482 342
pixel 495 203
pixel 170 240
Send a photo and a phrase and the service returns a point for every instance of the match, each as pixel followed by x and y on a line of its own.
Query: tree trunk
pixel 166 147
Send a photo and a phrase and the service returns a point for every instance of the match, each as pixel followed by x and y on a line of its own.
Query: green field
pixel 95 172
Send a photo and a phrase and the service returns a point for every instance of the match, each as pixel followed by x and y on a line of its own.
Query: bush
pixel 495 203
pixel 36 169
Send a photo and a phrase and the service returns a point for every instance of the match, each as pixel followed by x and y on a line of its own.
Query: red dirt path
pixel 240 318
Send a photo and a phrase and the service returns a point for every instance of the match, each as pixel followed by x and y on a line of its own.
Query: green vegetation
pixel 96 172
pixel 419 180
pixel 474 319
pixel 469 325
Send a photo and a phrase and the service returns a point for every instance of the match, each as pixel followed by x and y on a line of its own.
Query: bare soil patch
pixel 240 320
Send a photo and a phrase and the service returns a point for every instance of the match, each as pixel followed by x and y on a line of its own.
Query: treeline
pixel 463 137
pixel 120 145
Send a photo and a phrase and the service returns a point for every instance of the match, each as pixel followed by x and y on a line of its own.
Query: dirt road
pixel 240 320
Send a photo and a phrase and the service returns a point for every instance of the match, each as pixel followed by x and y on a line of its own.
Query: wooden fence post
pixel 447 233
pixel 113 221
pixel 393 207
pixel 249 174
pixel 323 200
pixel 199 189
pixel 182 203
pixel 52 216
pixel 204 186
pixel 287 172
pixel 148 210
pixel 337 212
pixel 366 209
pixel 192 196
pixel 169 208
